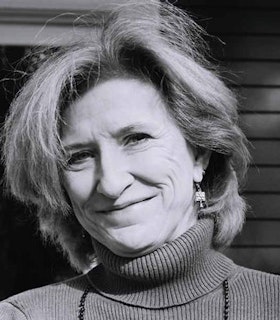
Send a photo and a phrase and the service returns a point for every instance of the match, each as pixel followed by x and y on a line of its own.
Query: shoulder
pixel 256 288
pixel 46 302
pixel 258 279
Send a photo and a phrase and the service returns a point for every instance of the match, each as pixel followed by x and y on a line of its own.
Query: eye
pixel 79 158
pixel 136 138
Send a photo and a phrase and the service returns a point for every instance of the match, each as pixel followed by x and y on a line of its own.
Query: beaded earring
pixel 200 196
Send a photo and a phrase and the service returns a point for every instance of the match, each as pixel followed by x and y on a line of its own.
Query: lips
pixel 122 206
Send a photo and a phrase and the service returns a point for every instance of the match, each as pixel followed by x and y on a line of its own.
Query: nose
pixel 114 176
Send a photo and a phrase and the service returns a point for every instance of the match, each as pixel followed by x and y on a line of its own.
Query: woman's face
pixel 130 171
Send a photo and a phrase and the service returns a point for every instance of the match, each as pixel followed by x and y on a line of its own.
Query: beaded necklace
pixel 85 293
pixel 82 303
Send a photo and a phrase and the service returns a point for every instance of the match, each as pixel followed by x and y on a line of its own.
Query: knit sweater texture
pixel 181 280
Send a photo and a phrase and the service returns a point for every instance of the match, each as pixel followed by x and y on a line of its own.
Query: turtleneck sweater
pixel 180 280
pixel 172 275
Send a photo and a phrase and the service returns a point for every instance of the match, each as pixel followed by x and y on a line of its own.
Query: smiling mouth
pixel 123 206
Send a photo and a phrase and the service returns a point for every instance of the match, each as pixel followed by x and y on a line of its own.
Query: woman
pixel 128 144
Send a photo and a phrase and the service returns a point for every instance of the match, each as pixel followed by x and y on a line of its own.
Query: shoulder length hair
pixel 164 47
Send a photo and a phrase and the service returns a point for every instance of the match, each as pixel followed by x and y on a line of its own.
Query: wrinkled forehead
pixel 112 89
pixel 115 106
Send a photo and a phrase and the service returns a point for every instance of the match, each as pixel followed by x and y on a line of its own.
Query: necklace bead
pixel 82 303
pixel 226 298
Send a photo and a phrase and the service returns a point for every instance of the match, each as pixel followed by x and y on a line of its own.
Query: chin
pixel 132 246
pixel 132 252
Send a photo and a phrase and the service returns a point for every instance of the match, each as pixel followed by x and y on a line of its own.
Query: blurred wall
pixel 250 31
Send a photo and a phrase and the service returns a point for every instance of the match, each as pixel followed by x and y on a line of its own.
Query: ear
pixel 201 164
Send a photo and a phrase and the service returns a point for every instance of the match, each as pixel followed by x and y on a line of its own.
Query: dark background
pixel 247 42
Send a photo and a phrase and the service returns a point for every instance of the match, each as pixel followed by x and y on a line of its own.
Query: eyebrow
pixel 78 145
pixel 128 129
pixel 119 133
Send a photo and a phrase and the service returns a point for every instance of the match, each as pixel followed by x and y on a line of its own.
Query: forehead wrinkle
pixel 111 128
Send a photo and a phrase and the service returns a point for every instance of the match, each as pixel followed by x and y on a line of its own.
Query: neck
pixel 176 273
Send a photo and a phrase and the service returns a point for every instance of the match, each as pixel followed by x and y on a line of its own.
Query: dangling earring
pixel 200 196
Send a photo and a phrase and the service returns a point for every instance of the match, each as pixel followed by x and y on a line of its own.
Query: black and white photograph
pixel 140 160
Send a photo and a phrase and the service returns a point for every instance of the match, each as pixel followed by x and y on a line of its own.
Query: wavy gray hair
pixel 165 49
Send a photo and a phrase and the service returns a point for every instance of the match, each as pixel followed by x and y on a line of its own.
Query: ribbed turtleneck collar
pixel 176 273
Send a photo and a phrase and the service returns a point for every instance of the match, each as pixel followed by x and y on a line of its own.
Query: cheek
pixel 176 172
pixel 79 185
pixel 165 166
pixel 178 190
pixel 183 175
pixel 153 164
